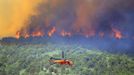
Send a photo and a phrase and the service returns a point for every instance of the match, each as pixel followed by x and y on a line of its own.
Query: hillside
pixel 34 60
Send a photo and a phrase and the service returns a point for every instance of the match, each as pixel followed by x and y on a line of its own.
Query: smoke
pixel 69 15
pixel 98 20
pixel 75 16
pixel 14 15
pixel 82 16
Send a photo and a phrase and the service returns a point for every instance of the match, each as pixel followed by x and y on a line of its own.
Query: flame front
pixel 117 33
pixel 52 31
pixel 27 35
pixel 78 17
pixel 17 35
pixel 64 33
pixel 37 34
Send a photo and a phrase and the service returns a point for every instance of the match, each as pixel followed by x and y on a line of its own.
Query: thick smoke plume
pixel 14 15
pixel 83 17
pixel 105 24
pixel 67 17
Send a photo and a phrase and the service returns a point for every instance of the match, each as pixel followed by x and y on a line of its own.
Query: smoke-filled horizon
pixel 67 17
pixel 14 15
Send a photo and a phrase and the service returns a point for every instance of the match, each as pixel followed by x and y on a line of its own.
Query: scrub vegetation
pixel 34 60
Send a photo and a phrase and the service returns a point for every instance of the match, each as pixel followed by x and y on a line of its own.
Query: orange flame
pixel 37 34
pixel 64 33
pixel 117 33
pixel 17 35
pixel 52 31
pixel 26 35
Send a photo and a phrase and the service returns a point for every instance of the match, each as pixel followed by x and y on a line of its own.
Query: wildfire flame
pixel 26 35
pixel 52 31
pixel 117 33
pixel 38 33
pixel 17 35
pixel 64 33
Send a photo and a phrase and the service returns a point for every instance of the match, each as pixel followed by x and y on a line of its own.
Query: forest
pixel 33 59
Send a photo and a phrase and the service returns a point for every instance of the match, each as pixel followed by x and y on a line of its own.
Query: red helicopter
pixel 61 61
